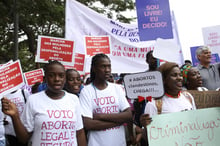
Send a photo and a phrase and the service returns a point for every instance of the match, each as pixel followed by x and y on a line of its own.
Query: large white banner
pixel 127 52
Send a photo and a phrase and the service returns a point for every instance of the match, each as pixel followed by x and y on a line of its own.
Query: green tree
pixel 45 17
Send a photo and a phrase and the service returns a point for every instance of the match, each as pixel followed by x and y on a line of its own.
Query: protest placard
pixel 79 63
pixel 11 77
pixel 53 48
pixel 154 19
pixel 97 44
pixel 211 37
pixel 144 84
pixel 206 99
pixel 34 76
pixel 188 128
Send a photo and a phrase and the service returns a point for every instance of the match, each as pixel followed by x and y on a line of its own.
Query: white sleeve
pixel 27 117
pixel 122 99
pixel 86 103
pixel 150 108
pixel 79 124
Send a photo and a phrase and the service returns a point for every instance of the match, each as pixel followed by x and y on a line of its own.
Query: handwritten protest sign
pixel 154 19
pixel 97 44
pixel 144 84
pixel 11 77
pixel 189 128
pixel 52 48
pixel 206 99
pixel 34 76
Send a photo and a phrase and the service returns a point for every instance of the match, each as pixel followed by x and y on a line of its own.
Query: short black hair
pixel 51 62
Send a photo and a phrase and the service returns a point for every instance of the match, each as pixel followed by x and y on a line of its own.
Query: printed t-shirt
pixel 110 100
pixel 53 122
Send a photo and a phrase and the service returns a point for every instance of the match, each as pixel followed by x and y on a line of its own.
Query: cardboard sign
pixel 11 77
pixel 211 37
pixel 206 99
pixel 154 19
pixel 34 76
pixel 188 128
pixel 79 63
pixel 144 84
pixel 97 44
pixel 52 48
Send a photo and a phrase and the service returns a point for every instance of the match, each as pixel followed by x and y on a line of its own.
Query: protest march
pixel 111 83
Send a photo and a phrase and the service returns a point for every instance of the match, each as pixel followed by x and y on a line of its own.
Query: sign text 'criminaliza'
pixel 144 84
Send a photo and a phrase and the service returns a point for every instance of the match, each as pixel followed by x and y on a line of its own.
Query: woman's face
pixel 55 78
pixel 73 82
pixel 173 81
pixel 194 79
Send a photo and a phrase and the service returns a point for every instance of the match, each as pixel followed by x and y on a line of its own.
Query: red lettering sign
pixel 34 76
pixel 51 48
pixel 97 44
pixel 78 63
pixel 11 77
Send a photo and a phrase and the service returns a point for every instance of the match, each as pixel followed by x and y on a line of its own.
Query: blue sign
pixel 154 19
pixel 195 61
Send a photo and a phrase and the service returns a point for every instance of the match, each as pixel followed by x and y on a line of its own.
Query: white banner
pixel 127 52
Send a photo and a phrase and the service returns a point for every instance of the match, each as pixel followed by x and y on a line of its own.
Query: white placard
pixel 144 84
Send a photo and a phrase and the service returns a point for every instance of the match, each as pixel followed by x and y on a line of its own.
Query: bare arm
pixel 81 138
pixel 9 108
pixel 122 117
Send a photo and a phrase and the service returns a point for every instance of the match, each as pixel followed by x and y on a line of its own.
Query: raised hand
pixel 8 107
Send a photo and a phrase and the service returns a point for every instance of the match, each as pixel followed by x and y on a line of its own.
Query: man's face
pixel 205 57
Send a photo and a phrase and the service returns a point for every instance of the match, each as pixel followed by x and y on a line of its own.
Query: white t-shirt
pixel 170 105
pixel 18 98
pixel 53 122
pixel 110 100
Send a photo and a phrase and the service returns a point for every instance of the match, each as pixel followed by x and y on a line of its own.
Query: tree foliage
pixel 45 17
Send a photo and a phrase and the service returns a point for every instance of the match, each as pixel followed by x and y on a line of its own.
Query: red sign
pixel 34 76
pixel 79 63
pixel 51 48
pixel 11 77
pixel 97 44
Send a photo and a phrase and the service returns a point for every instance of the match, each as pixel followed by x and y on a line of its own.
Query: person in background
pixel 34 88
pixel 73 82
pixel 209 72
pixel 191 78
pixel 50 117
pixel 111 79
pixel 188 62
pixel 151 61
pixel 139 105
pixel 174 100
pixel 104 106
pixel 19 98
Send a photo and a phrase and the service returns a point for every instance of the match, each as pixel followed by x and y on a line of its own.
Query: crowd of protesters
pixel 67 110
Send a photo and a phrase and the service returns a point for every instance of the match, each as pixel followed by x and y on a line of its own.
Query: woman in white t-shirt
pixel 174 100
pixel 104 106
pixel 50 117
